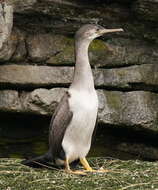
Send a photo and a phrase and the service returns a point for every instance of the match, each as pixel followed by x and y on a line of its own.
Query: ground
pixel 123 175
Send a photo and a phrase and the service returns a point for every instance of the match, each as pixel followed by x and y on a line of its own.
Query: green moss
pixel 39 147
pixel 122 73
pixel 122 175
pixel 15 155
pixel 114 101
pixel 98 45
pixel 66 55
pixel 97 52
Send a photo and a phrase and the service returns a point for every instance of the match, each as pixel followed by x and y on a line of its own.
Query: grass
pixel 123 175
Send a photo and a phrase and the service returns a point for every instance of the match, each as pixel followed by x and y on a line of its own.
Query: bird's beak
pixel 104 31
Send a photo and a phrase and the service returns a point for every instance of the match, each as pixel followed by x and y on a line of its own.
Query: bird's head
pixel 91 31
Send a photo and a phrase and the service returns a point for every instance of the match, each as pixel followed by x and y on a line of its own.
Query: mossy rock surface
pixel 123 175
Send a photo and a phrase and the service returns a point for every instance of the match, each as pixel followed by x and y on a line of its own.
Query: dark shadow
pixel 26 136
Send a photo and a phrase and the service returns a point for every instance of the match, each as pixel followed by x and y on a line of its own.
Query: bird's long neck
pixel 83 78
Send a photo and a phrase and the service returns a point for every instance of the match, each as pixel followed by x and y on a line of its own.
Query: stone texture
pixel 27 76
pixel 20 52
pixel 135 109
pixel 14 50
pixel 54 15
pixel 139 149
pixel 9 48
pixel 9 101
pixel 65 52
pixel 125 52
pixel 43 46
pixel 98 51
pixel 41 101
pixel 112 53
pixel 59 49
pixel 43 35
pixel 6 22
pixel 146 9
pixel 127 78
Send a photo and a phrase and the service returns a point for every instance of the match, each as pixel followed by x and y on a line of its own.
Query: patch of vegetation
pixel 122 175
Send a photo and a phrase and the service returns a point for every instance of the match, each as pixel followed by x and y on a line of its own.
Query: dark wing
pixel 95 131
pixel 59 122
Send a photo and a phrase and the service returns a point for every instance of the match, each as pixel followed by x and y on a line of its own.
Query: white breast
pixel 77 139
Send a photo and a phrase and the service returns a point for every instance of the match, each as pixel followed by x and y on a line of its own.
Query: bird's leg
pixel 67 166
pixel 68 170
pixel 87 167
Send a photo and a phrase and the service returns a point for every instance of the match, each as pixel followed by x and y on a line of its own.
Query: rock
pixel 20 52
pixel 98 51
pixel 9 48
pixel 6 22
pixel 125 52
pixel 136 108
pixel 15 49
pixel 56 16
pixel 64 54
pixel 43 46
pixel 20 6
pixel 139 149
pixel 146 10
pixel 27 76
pixel 59 49
pixel 127 78
pixel 125 143
pixel 41 101
pixel 9 101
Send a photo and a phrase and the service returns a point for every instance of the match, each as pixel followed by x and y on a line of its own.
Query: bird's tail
pixel 38 162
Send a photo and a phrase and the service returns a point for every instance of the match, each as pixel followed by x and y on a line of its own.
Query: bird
pixel 73 122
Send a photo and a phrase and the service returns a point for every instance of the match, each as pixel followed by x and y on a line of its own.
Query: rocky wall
pixel 37 59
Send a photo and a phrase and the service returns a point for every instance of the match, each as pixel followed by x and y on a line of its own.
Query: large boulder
pixel 142 77
pixel 14 49
pixel 66 16
pixel 9 101
pixel 43 46
pixel 112 53
pixel 41 101
pixel 135 109
pixel 9 47
pixel 59 50
pixel 125 78
pixel 27 76
pixel 51 49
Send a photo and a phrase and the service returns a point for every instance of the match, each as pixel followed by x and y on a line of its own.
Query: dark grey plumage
pixel 61 117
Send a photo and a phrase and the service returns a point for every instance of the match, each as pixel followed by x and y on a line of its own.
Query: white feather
pixel 77 139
